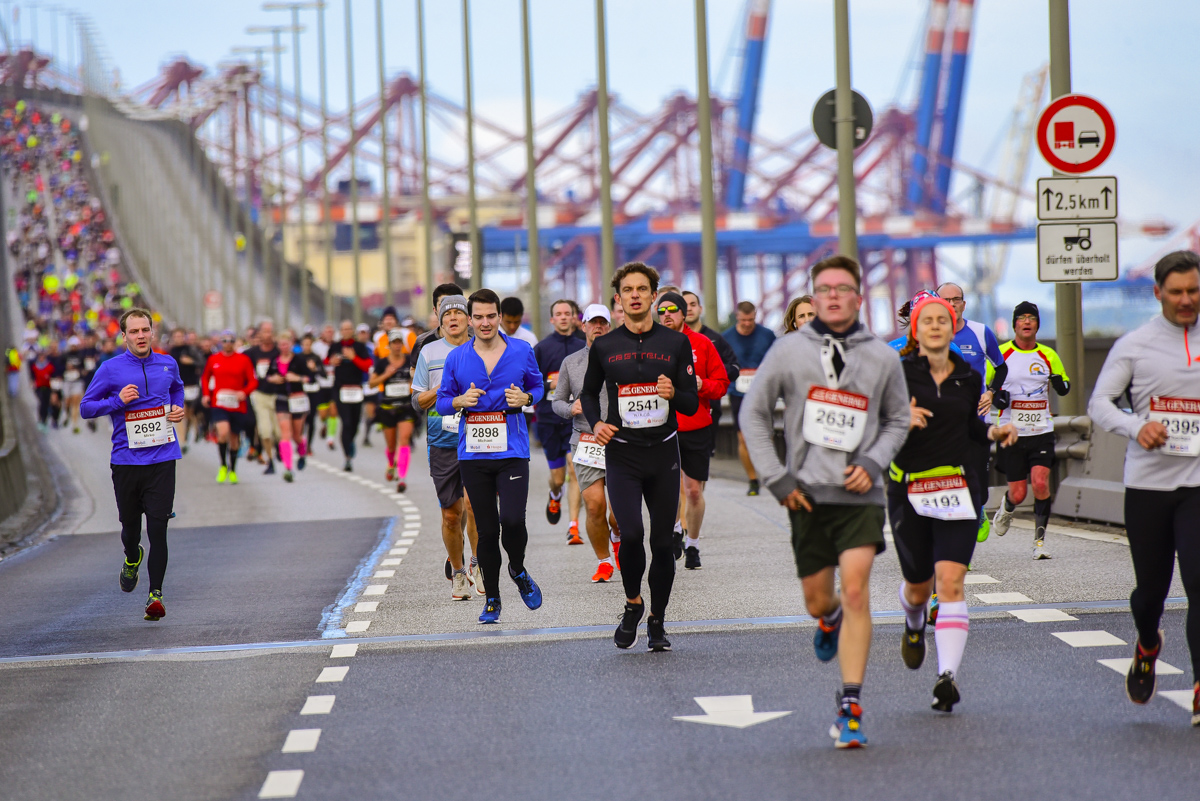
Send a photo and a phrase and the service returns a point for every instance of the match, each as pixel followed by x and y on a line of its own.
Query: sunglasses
pixel 670 307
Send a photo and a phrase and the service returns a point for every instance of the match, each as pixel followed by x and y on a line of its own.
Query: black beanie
pixel 390 310
pixel 1025 307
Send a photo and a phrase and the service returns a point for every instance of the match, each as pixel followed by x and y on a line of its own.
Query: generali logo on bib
pixel 637 390
pixel 825 395
pixel 143 414
pixel 1165 404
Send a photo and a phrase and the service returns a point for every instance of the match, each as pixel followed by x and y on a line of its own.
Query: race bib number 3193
pixel 942 498
pixel 835 419
pixel 1181 417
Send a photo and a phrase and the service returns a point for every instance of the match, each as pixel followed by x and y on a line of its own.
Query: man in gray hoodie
pixel 846 416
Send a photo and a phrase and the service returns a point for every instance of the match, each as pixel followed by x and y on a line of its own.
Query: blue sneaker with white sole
pixel 491 611
pixel 825 641
pixel 531 593
pixel 847 729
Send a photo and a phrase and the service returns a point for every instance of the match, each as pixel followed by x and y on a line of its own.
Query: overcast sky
pixel 1140 59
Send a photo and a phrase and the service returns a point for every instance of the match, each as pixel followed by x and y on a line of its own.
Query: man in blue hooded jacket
pixel 142 394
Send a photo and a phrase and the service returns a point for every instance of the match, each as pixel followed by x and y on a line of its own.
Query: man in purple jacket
pixel 142 394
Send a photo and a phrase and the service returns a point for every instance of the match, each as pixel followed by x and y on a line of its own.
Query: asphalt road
pixel 311 650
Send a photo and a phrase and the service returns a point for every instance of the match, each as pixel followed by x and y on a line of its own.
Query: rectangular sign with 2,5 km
pixel 1077 198
pixel 1077 251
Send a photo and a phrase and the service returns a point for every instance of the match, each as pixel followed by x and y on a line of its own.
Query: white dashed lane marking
pixel 344 650
pixel 1182 698
pixel 375 589
pixel 366 606
pixel 1088 639
pixel 332 674
pixel 1121 665
pixel 318 705
pixel 380 574
pixel 301 741
pixel 399 551
pixel 1003 598
pixel 281 784
pixel 979 578
pixel 357 626
pixel 391 562
pixel 1041 615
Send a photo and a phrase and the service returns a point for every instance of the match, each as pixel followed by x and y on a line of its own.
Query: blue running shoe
pixel 825 641
pixel 531 593
pixel 491 611
pixel 849 727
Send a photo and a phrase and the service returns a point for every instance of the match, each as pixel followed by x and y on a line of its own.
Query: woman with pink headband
pixel 934 494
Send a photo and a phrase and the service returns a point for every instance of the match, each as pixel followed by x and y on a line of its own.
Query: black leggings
pixel 150 490
pixel 498 489
pixel 351 415
pixel 633 473
pixel 43 397
pixel 1159 524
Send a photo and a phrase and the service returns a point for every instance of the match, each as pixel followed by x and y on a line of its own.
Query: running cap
pixel 74 341
pixel 390 310
pixel 671 297
pixel 596 310
pixel 396 334
pixel 1025 307
pixel 449 302
pixel 926 299
pixel 362 328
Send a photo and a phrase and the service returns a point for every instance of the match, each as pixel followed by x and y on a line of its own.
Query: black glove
pixel 1001 399
pixel 1061 385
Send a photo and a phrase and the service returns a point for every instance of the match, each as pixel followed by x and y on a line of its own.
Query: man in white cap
pixel 587 460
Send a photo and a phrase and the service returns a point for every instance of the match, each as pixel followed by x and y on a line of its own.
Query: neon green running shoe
pixel 154 606
pixel 233 477
pixel 129 572
pixel 985 529
pixel 222 474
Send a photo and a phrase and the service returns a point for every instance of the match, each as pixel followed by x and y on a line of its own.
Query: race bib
pixel 89 364
pixel 640 406
pixel 191 393
pixel 589 452
pixel 835 419
pixel 487 432
pixel 1181 416
pixel 553 379
pixel 1031 416
pixel 146 428
pixel 744 380
pixel 298 403
pixel 350 394
pixel 310 386
pixel 370 392
pixel 227 399
pixel 450 424
pixel 260 369
pixel 944 498
pixel 71 375
pixel 56 384
pixel 325 381
pixel 397 389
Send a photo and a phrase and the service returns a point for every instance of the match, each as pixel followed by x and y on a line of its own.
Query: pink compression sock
pixel 303 448
pixel 402 461
pixel 285 453
pixel 391 457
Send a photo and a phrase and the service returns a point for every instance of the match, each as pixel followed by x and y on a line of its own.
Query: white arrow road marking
pixel 1183 698
pixel 735 711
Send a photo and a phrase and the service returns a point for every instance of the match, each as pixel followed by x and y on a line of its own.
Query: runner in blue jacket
pixel 142 394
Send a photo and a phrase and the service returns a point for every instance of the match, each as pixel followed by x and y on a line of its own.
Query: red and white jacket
pixel 714 381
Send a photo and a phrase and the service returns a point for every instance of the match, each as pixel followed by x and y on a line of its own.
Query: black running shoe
pixel 1141 679
pixel 753 491
pixel 270 471
pixel 553 511
pixel 692 562
pixel 677 538
pixel 348 467
pixel 301 463
pixel 945 693
pixel 656 635
pixel 129 572
pixel 912 647
pixel 626 633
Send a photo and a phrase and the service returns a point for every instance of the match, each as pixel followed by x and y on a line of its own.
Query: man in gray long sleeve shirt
pixel 587 463
pixel 846 417
pixel 1158 368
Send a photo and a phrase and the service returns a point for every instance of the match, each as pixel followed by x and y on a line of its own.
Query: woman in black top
pixel 392 376
pixel 934 492
pixel 289 372
pixel 314 391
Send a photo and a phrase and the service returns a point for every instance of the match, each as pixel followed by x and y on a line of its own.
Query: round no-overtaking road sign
pixel 1076 134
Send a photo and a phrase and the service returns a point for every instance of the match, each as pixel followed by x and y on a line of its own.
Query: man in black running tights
pixel 647 371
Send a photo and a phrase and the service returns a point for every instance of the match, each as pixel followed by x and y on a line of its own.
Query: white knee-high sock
pixel 914 616
pixel 951 635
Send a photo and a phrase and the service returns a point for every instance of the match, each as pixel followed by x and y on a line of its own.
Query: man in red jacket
pixel 227 382
pixel 696 431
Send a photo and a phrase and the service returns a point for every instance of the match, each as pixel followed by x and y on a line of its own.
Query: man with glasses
pixel 1032 370
pixel 750 341
pixel 846 396
pixel 981 350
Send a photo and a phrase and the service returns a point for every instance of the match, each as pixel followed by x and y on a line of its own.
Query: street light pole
pixel 326 223
pixel 385 217
pixel 426 206
pixel 1068 297
pixel 708 234
pixel 476 281
pixel 607 245
pixel 844 128
pixel 358 307
pixel 531 221
pixel 285 284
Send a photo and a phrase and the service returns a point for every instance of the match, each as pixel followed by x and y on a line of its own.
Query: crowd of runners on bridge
pixel 624 398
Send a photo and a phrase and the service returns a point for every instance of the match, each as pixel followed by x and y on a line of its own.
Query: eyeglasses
pixel 840 289
pixel 1027 318
pixel 954 300
pixel 669 307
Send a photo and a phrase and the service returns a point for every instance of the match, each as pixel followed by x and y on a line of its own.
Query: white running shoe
pixel 477 580
pixel 1001 521
pixel 1039 550
pixel 462 587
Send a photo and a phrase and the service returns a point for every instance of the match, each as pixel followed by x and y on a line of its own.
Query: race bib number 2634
pixel 834 418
